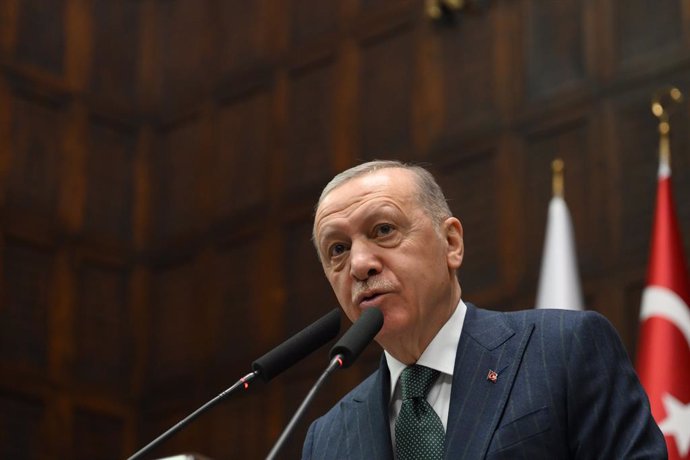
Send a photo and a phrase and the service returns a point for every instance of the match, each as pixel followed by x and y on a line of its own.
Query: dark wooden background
pixel 159 160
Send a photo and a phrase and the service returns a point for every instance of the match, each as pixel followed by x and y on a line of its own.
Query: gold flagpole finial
pixel 557 167
pixel 663 102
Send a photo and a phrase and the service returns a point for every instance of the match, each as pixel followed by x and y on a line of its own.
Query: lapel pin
pixel 492 376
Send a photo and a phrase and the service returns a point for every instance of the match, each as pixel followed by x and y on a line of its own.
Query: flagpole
pixel 675 97
pixel 557 185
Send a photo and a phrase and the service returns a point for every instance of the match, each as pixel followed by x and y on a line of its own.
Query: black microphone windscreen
pixel 358 336
pixel 298 346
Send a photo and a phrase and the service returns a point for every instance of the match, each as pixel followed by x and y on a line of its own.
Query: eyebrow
pixel 379 210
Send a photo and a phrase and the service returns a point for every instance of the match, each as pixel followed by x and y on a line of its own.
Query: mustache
pixel 371 284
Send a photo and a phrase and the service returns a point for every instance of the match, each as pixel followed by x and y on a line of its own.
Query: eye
pixel 383 230
pixel 336 249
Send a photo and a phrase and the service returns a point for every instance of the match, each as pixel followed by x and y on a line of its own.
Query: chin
pixel 391 328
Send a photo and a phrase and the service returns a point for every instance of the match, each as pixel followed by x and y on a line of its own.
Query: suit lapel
pixel 487 343
pixel 371 419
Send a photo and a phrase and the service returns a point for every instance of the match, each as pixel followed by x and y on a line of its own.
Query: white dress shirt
pixel 439 355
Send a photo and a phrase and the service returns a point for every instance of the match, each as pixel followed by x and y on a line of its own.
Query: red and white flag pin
pixel 492 376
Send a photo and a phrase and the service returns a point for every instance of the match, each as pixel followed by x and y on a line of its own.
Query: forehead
pixel 395 185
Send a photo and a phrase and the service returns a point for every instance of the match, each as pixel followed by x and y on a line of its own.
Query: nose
pixel 364 262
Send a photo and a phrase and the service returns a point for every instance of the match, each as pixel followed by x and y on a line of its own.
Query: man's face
pixel 380 249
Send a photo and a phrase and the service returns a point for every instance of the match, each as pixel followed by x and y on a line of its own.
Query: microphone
pixel 353 342
pixel 268 366
pixel 343 354
pixel 298 346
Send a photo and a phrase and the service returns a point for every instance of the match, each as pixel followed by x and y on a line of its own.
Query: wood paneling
pixel 160 159
pixel 243 35
pixel 310 126
pixel 184 50
pixel 104 339
pixel 115 67
pixel 21 425
pixel 98 436
pixel 35 161
pixel 468 90
pixel 645 29
pixel 236 323
pixel 313 19
pixel 385 103
pixel 27 275
pixel 228 435
pixel 175 349
pixel 554 46
pixel 176 178
pixel 109 175
pixel 241 163
pixel 41 35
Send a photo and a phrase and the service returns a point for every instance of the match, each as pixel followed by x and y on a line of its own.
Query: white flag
pixel 559 281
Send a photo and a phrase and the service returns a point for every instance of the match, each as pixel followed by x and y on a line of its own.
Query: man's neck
pixel 407 349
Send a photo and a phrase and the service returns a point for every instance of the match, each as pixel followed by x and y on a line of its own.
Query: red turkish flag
pixel 663 358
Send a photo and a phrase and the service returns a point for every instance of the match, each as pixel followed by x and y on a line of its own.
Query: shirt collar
pixel 440 354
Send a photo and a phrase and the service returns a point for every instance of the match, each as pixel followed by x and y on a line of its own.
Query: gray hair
pixel 429 194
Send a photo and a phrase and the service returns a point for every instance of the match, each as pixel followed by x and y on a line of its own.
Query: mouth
pixel 369 298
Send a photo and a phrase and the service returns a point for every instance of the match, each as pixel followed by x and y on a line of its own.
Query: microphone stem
pixel 335 363
pixel 241 383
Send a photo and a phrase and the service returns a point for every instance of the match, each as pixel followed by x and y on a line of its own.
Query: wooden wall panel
pixel 21 427
pixel 235 428
pixel 466 63
pixel 369 5
pixel 236 324
pixel 26 298
pixel 310 126
pixel 311 20
pixel 231 436
pixel 191 439
pixel 110 181
pixel 477 208
pixel 240 170
pixel 33 178
pixel 98 436
pixel 385 102
pixel 184 51
pixel 176 180
pixel 646 29
pixel 104 341
pixel 41 35
pixel 243 34
pixel 114 70
pixel 175 315
pixel 554 46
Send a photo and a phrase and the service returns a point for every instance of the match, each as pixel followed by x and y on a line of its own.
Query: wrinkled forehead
pixel 392 183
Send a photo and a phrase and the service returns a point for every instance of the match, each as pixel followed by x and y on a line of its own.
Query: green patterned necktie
pixel 418 430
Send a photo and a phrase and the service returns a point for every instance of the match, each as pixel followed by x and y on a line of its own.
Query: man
pixel 457 381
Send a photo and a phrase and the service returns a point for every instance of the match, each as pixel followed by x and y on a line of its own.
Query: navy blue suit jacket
pixel 565 389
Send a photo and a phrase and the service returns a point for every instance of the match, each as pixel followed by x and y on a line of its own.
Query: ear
pixel 452 230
